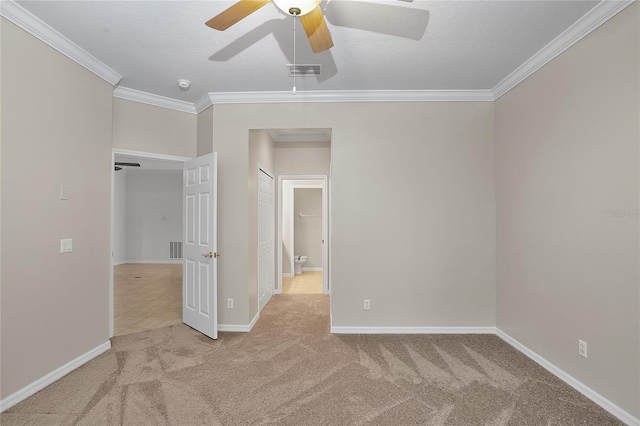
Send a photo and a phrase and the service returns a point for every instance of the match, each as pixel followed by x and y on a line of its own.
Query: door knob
pixel 208 255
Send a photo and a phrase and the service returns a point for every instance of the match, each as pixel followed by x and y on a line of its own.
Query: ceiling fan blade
pixel 118 163
pixel 396 20
pixel 235 13
pixel 316 28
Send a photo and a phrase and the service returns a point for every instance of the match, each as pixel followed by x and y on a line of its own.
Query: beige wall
pixel 148 128
pixel 308 230
pixel 120 217
pixel 56 130
pixel 432 207
pixel 566 152
pixel 153 214
pixel 299 158
pixel 302 158
pixel 260 153
pixel 205 132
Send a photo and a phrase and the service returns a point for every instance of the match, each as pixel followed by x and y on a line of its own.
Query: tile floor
pixel 146 296
pixel 305 283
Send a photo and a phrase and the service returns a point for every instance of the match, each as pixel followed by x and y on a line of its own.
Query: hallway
pixel 308 282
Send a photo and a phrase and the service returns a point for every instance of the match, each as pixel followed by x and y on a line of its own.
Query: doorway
pixel 145 285
pixel 309 218
pixel 304 154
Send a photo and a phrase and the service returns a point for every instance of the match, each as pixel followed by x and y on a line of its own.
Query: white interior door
pixel 199 267
pixel 266 237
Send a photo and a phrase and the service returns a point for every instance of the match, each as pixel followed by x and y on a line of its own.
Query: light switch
pixel 64 192
pixel 66 245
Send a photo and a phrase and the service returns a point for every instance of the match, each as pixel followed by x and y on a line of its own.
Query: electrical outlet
pixel 582 348
pixel 229 303
pixel 367 304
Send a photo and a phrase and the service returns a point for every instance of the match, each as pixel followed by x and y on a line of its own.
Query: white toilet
pixel 298 261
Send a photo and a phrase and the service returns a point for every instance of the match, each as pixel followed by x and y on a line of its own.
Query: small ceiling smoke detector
pixel 184 84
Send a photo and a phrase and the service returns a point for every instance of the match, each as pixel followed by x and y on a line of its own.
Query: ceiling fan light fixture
pixel 296 7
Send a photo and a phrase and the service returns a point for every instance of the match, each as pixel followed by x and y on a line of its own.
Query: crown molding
pixel 15 13
pixel 350 96
pixel 202 103
pixel 155 100
pixel 597 16
pixel 221 98
pixel 601 13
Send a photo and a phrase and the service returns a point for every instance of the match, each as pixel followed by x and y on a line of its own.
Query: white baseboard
pixel 254 320
pixel 234 328
pixel 594 396
pixel 155 262
pixel 311 269
pixel 287 275
pixel 122 262
pixel 58 373
pixel 239 328
pixel 412 330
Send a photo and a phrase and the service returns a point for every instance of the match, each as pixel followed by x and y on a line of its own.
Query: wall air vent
pixel 175 250
pixel 304 70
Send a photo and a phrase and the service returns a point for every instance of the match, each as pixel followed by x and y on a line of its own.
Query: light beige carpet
pixel 290 371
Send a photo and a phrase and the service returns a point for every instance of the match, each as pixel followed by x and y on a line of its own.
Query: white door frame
pixel 138 154
pixel 268 172
pixel 326 284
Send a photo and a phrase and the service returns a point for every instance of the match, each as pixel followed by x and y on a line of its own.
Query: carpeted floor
pixel 290 371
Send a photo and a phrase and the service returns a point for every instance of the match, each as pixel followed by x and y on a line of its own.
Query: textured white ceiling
pixel 379 45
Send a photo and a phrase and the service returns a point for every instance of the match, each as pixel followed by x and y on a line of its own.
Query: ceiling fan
pixel 309 12
pixel 119 165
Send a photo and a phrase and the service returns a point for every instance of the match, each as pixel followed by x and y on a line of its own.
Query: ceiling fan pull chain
pixel 295 16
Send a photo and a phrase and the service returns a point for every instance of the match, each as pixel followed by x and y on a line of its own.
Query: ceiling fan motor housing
pixel 296 7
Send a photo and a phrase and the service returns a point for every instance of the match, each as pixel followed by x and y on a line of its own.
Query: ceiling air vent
pixel 304 70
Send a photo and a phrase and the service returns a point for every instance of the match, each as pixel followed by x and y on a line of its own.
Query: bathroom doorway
pixel 303 245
